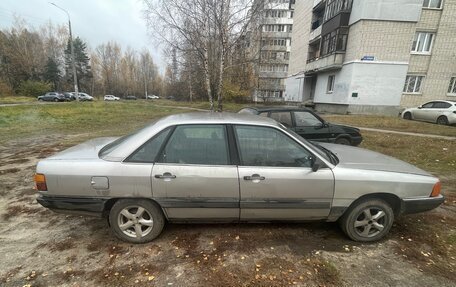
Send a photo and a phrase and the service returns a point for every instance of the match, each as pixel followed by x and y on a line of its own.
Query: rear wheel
pixel 408 116
pixel 136 220
pixel 442 120
pixel 56 100
pixel 367 221
pixel 343 141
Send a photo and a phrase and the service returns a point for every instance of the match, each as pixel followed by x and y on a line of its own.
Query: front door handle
pixel 166 175
pixel 254 177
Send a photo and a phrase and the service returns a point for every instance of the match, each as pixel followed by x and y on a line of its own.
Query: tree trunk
pixel 208 79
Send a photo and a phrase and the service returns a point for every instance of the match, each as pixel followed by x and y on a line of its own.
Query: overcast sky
pixel 95 21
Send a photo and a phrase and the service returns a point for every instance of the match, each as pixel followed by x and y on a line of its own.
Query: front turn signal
pixel 436 189
pixel 40 182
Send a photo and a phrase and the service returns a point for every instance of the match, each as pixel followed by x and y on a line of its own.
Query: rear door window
pixel 197 144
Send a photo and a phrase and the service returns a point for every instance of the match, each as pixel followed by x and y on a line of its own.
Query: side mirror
pixel 314 164
pixel 420 107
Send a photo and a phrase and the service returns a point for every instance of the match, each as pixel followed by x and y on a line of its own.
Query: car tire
pixel 442 120
pixel 125 219
pixel 407 116
pixel 368 220
pixel 343 141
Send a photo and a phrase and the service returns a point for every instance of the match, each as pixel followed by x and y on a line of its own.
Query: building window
pixel 330 87
pixel 334 41
pixel 334 7
pixel 413 84
pixel 436 4
pixel 422 42
pixel 452 87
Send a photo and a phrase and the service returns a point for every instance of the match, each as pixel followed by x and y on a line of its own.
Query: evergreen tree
pixel 52 73
pixel 82 60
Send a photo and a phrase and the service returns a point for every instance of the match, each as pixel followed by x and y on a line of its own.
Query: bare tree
pixel 209 29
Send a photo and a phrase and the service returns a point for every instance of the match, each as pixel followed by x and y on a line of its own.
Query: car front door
pixel 310 126
pixel 276 179
pixel 193 178
pixel 423 112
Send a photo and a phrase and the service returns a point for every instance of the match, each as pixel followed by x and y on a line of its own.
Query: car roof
pixel 141 136
pixel 262 109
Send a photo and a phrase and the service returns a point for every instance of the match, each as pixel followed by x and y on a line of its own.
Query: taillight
pixel 436 189
pixel 40 182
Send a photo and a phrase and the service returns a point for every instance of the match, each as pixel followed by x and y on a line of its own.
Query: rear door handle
pixel 166 175
pixel 254 177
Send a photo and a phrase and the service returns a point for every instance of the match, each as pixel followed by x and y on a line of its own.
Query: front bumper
pixel 356 140
pixel 416 205
pixel 74 205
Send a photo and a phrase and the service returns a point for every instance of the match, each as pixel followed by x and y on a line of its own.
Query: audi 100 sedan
pixel 222 167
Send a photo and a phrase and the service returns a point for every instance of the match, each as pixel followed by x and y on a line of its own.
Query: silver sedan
pixel 223 167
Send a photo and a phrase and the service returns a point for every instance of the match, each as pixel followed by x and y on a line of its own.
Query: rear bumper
pixel 421 204
pixel 74 205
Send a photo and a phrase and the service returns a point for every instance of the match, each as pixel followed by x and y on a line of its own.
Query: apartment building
pixel 271 46
pixel 372 56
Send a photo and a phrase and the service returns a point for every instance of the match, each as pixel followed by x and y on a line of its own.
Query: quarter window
pixel 282 117
pixel 432 4
pixel 330 87
pixel 148 152
pixel 413 84
pixel 197 144
pixel 262 146
pixel 422 42
pixel 452 87
pixel 306 119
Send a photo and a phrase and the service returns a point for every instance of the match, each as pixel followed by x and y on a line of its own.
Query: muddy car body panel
pixel 231 167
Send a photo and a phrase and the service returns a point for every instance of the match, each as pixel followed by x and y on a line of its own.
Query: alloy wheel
pixel 370 222
pixel 135 221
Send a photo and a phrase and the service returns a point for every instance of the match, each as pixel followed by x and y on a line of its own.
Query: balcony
pixel 325 63
pixel 314 34
pixel 276 74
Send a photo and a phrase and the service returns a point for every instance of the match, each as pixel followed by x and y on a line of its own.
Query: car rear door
pixel 439 109
pixel 193 178
pixel 310 127
pixel 276 180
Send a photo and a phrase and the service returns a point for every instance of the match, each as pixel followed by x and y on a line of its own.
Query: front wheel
pixel 407 116
pixel 367 221
pixel 136 220
pixel 343 141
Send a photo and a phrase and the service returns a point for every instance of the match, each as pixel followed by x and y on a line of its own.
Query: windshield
pixel 323 152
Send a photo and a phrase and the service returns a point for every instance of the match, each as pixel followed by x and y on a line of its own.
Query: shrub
pixel 234 94
pixel 33 88
pixel 5 90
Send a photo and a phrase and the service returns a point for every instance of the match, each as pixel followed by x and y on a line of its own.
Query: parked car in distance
pixel 69 96
pixel 153 97
pixel 439 112
pixel 111 98
pixel 131 98
pixel 83 97
pixel 227 167
pixel 52 97
pixel 308 124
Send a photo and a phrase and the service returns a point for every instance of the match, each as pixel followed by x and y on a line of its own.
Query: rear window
pixel 248 111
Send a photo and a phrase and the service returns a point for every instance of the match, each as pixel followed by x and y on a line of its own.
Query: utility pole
pixel 73 60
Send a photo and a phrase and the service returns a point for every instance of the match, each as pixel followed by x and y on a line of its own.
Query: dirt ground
pixel 42 248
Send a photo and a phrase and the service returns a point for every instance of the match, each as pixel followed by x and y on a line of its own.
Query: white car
pixel 440 112
pixel 83 96
pixel 111 98
pixel 152 97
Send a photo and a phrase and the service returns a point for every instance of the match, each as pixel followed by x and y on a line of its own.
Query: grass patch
pixel 392 123
pixel 95 118
pixel 434 155
pixel 17 100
